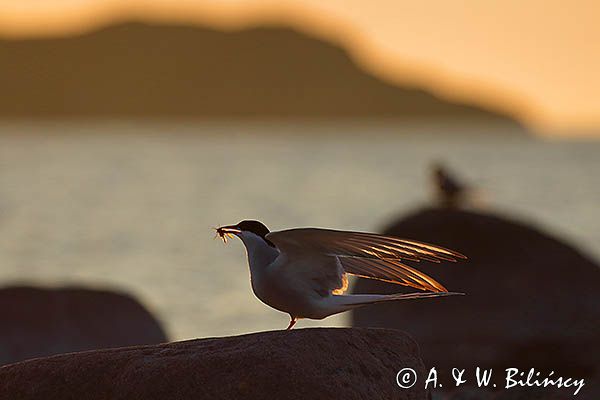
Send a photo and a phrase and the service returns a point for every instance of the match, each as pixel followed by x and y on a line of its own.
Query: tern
pixel 304 271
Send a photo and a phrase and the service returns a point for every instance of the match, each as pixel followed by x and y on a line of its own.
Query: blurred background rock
pixel 38 322
pixel 530 300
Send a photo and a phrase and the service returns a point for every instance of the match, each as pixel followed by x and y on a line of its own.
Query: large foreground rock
pixel 38 322
pixel 532 300
pixel 299 364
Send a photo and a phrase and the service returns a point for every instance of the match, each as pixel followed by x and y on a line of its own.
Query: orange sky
pixel 539 60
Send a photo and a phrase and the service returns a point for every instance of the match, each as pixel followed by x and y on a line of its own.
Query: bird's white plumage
pixel 303 271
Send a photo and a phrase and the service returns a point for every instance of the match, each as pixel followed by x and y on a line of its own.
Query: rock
pixel 323 363
pixel 532 301
pixel 38 322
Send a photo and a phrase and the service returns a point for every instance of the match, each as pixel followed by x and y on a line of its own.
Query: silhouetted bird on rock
pixel 449 191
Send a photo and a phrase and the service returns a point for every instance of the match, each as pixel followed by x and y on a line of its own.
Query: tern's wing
pixel 368 255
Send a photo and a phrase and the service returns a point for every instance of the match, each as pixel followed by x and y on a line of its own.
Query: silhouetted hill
pixel 139 70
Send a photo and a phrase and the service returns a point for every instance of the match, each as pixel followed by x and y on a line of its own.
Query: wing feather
pixel 369 255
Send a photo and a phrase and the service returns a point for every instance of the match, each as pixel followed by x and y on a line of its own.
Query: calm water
pixel 131 206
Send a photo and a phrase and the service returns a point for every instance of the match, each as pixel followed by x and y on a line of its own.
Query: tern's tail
pixel 349 301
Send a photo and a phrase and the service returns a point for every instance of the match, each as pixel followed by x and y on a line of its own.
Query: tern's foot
pixel 292 323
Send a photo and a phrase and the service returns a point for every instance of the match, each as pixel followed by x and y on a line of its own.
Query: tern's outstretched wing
pixel 368 255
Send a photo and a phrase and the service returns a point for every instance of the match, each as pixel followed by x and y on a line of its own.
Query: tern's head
pixel 245 230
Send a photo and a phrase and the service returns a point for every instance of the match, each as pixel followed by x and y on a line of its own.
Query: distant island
pixel 139 70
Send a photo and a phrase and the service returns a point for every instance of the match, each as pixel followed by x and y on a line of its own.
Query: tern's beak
pixel 225 232
pixel 229 229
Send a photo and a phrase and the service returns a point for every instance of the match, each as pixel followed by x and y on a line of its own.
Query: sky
pixel 537 60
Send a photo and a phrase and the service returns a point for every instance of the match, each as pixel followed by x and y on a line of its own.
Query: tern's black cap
pixel 256 227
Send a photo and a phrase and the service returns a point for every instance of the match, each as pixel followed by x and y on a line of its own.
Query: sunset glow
pixel 537 61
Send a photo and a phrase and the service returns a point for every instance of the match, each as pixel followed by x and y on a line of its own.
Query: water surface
pixel 131 205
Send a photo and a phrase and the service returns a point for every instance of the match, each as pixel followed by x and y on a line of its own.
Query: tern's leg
pixel 292 322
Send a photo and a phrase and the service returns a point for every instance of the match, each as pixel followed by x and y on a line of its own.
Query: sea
pixel 131 205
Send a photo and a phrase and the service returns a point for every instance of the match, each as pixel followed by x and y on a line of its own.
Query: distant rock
pixel 38 322
pixel 532 300
pixel 136 70
pixel 299 364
